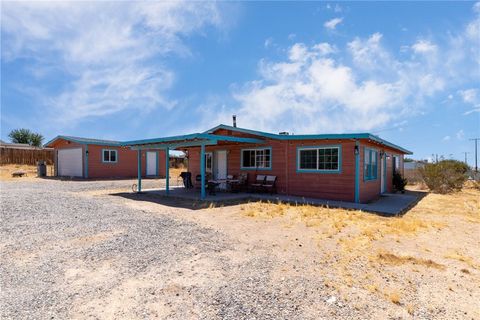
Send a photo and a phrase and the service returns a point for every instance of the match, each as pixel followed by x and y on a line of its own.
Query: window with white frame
pixel 257 158
pixel 319 158
pixel 370 164
pixel 109 155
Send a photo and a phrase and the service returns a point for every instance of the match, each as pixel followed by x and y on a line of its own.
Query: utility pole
pixel 476 140
pixel 465 153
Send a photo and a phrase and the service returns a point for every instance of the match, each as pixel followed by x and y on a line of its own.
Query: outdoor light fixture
pixel 356 150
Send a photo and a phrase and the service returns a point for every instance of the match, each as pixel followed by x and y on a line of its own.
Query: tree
pixel 26 136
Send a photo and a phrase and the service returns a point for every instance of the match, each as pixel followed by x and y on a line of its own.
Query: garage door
pixel 70 162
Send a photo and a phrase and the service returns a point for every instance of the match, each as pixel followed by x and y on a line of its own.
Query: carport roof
pixel 188 140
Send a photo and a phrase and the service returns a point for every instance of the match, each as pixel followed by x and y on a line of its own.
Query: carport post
pixel 167 173
pixel 139 163
pixel 202 171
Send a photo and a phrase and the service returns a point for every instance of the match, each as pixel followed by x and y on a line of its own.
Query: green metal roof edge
pixel 312 136
pixel 83 141
pixel 193 136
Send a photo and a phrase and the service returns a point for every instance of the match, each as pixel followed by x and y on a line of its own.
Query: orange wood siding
pixel 125 167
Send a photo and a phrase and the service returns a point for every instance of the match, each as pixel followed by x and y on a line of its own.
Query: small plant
pixel 445 176
pixel 399 182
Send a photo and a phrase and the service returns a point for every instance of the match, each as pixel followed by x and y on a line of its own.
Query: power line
pixel 465 153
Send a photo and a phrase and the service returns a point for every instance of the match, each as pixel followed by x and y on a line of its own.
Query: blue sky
pixel 409 72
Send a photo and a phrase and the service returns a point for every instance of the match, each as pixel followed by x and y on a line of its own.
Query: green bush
pixel 399 182
pixel 445 176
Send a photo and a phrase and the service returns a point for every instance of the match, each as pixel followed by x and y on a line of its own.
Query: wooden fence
pixel 26 156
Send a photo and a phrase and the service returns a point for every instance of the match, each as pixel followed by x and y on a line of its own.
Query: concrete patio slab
pixel 389 204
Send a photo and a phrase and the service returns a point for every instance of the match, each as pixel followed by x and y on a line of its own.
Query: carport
pixel 178 142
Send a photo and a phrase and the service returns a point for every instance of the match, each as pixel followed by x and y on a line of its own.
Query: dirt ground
pixel 31 171
pixel 240 261
pixel 425 264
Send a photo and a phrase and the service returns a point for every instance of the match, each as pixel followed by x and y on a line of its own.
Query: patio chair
pixel 270 184
pixel 259 182
pixel 240 184
pixel 198 179
pixel 187 179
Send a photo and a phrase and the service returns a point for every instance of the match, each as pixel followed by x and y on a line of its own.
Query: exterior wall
pixel 335 186
pixel 63 144
pixel 125 167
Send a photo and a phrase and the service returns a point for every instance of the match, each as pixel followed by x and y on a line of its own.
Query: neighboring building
pixel 347 167
pixel 94 158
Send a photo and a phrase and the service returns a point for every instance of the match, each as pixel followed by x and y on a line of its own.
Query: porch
pixel 196 140
pixel 389 204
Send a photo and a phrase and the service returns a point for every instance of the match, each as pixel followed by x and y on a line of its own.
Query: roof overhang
pixel 82 141
pixel 190 140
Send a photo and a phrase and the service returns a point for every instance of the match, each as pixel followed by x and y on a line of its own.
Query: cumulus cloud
pixel 446 138
pixel 424 47
pixel 332 24
pixel 104 50
pixel 460 135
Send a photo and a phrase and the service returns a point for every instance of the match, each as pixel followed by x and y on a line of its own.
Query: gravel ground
pixel 66 253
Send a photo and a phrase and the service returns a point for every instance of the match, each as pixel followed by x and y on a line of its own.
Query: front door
pixel 151 163
pixel 221 167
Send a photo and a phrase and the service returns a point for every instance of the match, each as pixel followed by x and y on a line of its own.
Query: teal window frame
pixel 370 168
pixel 109 150
pixel 256 167
pixel 317 148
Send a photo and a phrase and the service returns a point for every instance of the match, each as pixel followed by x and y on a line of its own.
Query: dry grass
pixel 463 258
pixel 31 171
pixel 394 296
pixel 392 259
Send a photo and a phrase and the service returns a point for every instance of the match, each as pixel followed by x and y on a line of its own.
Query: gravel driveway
pixel 66 253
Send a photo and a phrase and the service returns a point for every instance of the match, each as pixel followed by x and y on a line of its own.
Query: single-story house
pixel 95 158
pixel 348 167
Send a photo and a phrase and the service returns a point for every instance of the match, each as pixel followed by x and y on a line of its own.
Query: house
pixel 95 158
pixel 347 167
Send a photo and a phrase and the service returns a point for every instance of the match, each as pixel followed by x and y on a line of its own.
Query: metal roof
pixel 194 137
pixel 333 136
pixel 81 140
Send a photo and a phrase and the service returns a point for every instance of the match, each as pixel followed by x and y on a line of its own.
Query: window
pixel 109 155
pixel 319 159
pixel 208 162
pixel 396 163
pixel 370 164
pixel 257 158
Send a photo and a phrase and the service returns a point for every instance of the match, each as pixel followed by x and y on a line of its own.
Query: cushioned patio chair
pixel 257 185
pixel 270 184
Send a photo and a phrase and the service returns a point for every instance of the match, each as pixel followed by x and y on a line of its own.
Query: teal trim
pixel 372 153
pixel 202 171
pixel 297 160
pixel 85 141
pixel 357 173
pixel 167 172
pixel 139 171
pixel 195 137
pixel 256 168
pixel 172 146
pixel 86 161
pixel 311 136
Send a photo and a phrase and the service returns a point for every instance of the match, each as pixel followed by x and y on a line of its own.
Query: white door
pixel 70 162
pixel 221 167
pixel 151 163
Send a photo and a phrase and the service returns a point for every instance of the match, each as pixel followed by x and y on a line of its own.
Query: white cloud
pixel 104 50
pixel 471 97
pixel 460 135
pixel 446 138
pixel 424 47
pixel 268 42
pixel 332 24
